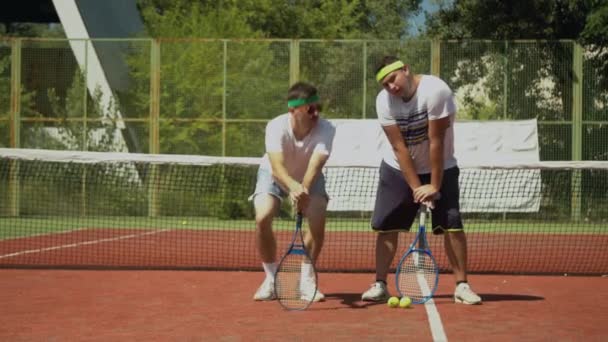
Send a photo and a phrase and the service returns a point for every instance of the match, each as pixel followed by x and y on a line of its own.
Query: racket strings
pixel 417 276
pixel 288 282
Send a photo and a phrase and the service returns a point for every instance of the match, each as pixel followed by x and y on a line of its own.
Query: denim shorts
pixel 266 184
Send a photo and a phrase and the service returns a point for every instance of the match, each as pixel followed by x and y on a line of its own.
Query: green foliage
pixel 521 19
pixel 75 132
pixel 26 97
pixel 5 98
pixel 595 38
pixel 195 19
pixel 539 75
pixel 192 74
pixel 322 19
pixel 41 30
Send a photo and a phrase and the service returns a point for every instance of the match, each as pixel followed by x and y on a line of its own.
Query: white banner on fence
pixel 362 143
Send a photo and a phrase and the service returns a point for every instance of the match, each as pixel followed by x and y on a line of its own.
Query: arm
pixel 315 165
pixel 316 162
pixel 274 150
pixel 437 130
pixel 403 156
pixel 279 171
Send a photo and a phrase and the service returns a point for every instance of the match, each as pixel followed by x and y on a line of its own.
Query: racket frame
pixel 297 247
pixel 419 245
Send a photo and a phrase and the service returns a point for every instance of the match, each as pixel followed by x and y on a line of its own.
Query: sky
pixel 418 23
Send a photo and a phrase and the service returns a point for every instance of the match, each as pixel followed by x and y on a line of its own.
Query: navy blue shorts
pixel 395 209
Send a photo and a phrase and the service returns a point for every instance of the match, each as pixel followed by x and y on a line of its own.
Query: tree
pixel 538 75
pixel 26 99
pixel 331 19
pixel 257 73
pixel 297 19
pixel 583 20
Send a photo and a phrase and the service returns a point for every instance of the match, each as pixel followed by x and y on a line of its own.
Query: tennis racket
pixel 290 278
pixel 417 272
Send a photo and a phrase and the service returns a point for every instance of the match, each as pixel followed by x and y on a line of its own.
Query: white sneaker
pixel 465 295
pixel 376 293
pixel 265 291
pixel 307 290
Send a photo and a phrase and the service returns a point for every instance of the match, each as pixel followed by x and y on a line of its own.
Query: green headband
pixel 300 102
pixel 388 69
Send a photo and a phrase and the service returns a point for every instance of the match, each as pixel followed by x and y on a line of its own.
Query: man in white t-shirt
pixel 298 144
pixel 417 114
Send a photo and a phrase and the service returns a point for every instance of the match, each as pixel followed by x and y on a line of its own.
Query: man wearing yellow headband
pixel 417 114
pixel 298 144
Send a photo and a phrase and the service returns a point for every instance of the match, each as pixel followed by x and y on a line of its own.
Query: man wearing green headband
pixel 417 114
pixel 298 144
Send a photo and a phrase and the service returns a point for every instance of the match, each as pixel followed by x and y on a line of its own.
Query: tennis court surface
pixel 68 305
pixel 106 246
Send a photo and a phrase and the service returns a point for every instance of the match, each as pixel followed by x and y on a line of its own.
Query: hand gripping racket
pixel 417 272
pixel 295 282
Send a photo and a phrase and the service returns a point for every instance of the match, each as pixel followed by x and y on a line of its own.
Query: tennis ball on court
pixel 393 302
pixel 184 222
pixel 405 302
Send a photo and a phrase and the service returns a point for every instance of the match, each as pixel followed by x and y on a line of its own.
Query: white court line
pixel 431 311
pixel 84 243
pixel 45 234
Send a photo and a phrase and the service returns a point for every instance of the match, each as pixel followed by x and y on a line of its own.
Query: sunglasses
pixel 314 107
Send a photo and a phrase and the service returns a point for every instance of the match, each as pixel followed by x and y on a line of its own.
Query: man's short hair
pixel 301 90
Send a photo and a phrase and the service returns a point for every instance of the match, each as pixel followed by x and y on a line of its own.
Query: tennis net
pixel 69 209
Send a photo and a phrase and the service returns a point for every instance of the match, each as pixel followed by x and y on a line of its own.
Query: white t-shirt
pixel 433 100
pixel 296 153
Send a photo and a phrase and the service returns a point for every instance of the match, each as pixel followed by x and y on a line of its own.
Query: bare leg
pixel 456 249
pixel 265 208
pixel 386 247
pixel 315 236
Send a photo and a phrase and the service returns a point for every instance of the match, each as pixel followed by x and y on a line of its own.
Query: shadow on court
pixel 350 300
pixel 492 297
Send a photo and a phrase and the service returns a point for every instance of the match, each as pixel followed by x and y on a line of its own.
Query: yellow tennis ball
pixel 184 222
pixel 393 302
pixel 405 302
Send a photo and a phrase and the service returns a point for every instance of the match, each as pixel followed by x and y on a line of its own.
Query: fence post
pixel 436 58
pixel 154 141
pixel 224 95
pixel 15 126
pixel 577 127
pixel 294 61
pixel 15 109
pixel 505 84
pixel 364 101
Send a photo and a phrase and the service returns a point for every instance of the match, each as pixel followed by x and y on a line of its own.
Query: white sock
pixel 307 269
pixel 307 272
pixel 270 268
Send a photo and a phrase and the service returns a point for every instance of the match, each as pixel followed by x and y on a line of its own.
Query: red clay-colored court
pixel 77 305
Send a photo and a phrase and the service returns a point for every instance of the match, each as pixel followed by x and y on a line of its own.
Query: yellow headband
pixel 388 69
